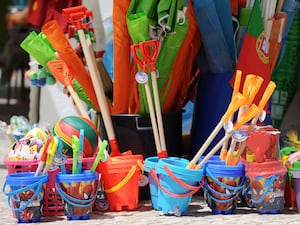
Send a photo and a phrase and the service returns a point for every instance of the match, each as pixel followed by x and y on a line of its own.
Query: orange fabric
pixel 57 38
pixel 180 74
pixel 122 67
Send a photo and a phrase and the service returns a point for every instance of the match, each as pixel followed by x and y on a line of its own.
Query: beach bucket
pixel 294 173
pixel 25 195
pixel 120 177
pixel 151 163
pixel 176 185
pixel 223 185
pixel 267 184
pixel 78 192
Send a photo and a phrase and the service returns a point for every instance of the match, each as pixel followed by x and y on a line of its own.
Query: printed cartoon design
pixel 32 211
pixel 229 193
pixel 274 198
pixel 81 191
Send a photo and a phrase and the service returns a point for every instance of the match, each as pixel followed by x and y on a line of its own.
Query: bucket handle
pixel 208 189
pixel 237 188
pixel 187 186
pixel 270 181
pixel 221 200
pixel 122 182
pixel 72 201
pixel 39 185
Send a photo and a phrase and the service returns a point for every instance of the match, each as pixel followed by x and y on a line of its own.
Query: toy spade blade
pixel 258 143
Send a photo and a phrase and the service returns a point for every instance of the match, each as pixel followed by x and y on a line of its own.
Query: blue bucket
pixel 176 185
pixel 25 195
pixel 78 192
pixel 151 163
pixel 222 186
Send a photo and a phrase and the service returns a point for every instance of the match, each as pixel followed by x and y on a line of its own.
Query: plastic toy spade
pixel 257 110
pixel 61 72
pixel 149 50
pixel 235 103
pixel 142 78
pixel 78 16
pixel 258 143
pixel 251 87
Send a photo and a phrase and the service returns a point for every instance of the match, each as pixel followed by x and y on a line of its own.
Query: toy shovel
pixel 78 16
pixel 225 138
pixel 258 110
pixel 149 50
pixel 258 143
pixel 251 87
pixel 142 78
pixel 235 103
pixel 61 72
pixel 237 82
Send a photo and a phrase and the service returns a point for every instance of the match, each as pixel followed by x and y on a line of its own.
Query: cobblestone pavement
pixel 198 213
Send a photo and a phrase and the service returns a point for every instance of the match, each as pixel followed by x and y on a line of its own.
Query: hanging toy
pixel 40 77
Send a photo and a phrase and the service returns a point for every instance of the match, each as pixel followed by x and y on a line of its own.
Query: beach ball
pixel 71 125
pixel 37 133
pixel 27 148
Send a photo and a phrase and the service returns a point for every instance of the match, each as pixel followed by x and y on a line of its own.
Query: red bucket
pixel 267 185
pixel 120 177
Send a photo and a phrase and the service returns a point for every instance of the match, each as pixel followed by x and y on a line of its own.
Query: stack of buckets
pixel 265 171
pixel 172 185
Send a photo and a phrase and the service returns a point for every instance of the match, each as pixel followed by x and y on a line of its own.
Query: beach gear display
pixel 166 53
pixel 25 193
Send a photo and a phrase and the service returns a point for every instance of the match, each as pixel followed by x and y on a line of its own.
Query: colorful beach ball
pixel 71 125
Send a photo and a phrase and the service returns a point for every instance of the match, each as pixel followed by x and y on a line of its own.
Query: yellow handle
pixel 122 182
pixel 52 150
pixel 236 102
pixel 267 94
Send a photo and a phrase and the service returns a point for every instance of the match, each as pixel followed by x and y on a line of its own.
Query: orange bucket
pixel 120 177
